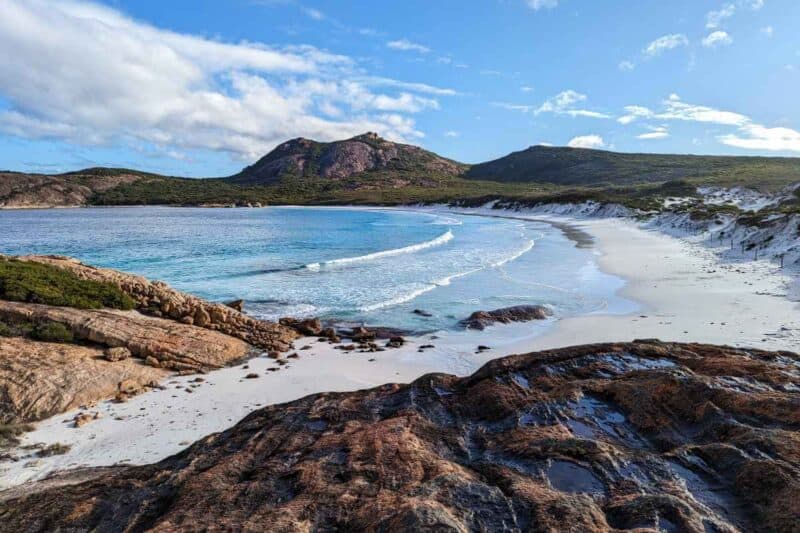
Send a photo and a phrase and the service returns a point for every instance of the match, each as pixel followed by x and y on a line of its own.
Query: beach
pixel 680 291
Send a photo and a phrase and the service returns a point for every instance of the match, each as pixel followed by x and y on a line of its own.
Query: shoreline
pixel 683 293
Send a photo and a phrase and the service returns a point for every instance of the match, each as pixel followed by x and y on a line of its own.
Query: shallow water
pixel 361 265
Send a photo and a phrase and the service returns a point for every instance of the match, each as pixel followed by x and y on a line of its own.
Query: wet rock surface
pixel 647 435
pixel 158 299
pixel 518 313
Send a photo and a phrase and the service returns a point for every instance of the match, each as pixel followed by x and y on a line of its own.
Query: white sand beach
pixel 683 294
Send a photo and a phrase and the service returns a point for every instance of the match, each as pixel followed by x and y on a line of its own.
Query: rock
pixel 420 312
pixel 81 419
pixel 41 379
pixel 152 361
pixel 607 437
pixel 483 348
pixel 361 334
pixel 130 387
pixel 236 304
pixel 328 333
pixel 158 299
pixel 395 342
pixel 118 353
pixel 170 344
pixel 292 356
pixel 311 327
pixel 518 313
pixel 251 375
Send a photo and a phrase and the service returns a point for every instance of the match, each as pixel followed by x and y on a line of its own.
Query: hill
pixel 585 167
pixel 367 169
pixel 366 155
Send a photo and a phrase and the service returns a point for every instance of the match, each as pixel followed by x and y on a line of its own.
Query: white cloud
pixel 542 4
pixel 666 42
pixel 408 46
pixel 768 31
pixel 626 66
pixel 633 112
pixel 587 141
pixel 120 80
pixel 564 104
pixel 513 107
pixel 758 137
pixel 715 18
pixel 526 89
pixel 451 133
pixel 748 135
pixel 675 109
pixel 656 132
pixel 717 38
pixel 315 14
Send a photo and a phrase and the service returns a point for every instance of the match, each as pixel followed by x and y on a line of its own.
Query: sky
pixel 203 88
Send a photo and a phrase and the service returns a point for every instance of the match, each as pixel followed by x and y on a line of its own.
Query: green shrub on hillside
pixel 30 282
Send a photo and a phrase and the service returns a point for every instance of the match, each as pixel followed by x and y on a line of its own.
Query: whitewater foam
pixel 438 241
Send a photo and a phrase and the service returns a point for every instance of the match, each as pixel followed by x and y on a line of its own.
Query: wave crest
pixel 438 241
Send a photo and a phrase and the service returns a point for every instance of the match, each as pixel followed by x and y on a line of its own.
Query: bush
pixel 24 281
pixel 52 332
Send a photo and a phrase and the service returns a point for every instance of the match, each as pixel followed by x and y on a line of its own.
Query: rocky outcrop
pixel 18 190
pixel 518 313
pixel 340 160
pixel 160 300
pixel 168 343
pixel 41 379
pixel 644 435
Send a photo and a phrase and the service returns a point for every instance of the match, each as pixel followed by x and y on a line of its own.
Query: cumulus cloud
pixel 626 66
pixel 451 133
pixel 536 5
pixel 587 141
pixel 748 134
pixel 564 104
pixel 88 74
pixel 758 137
pixel 666 42
pixel 717 38
pixel 408 46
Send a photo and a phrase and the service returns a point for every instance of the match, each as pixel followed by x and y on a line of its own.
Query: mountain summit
pixel 339 160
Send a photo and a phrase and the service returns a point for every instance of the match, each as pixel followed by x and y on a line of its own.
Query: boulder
pixel 518 313
pixel 310 327
pixel 118 353
pixel 236 304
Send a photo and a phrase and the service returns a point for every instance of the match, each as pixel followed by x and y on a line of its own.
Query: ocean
pixel 346 265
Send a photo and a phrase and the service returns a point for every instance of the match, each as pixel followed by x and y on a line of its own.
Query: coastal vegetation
pixel 30 282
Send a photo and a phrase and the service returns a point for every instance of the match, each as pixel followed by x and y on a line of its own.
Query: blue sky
pixel 201 88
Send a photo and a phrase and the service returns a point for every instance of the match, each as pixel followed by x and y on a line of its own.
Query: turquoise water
pixel 347 265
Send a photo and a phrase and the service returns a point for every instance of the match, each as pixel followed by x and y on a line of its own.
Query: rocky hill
pixel 644 436
pixel 22 190
pixel 581 166
pixel 364 154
